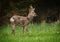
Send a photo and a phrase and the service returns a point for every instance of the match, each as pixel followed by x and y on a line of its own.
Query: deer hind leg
pixel 13 27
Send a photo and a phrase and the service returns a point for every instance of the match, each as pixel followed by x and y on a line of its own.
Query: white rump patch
pixel 11 20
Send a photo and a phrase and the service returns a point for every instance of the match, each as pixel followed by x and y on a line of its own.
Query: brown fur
pixel 23 21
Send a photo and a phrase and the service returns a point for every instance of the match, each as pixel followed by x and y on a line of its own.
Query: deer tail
pixel 11 19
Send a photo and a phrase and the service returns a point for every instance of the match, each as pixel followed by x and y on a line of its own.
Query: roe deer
pixel 23 21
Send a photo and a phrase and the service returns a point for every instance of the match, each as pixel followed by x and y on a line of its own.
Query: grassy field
pixel 37 33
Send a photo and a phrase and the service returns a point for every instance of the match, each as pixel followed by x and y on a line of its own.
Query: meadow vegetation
pixel 43 32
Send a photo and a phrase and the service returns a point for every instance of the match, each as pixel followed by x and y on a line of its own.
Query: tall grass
pixel 37 33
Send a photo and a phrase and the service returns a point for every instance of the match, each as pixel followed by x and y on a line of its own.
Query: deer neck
pixel 30 17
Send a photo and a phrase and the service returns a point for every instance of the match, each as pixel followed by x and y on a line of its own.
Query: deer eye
pixel 18 17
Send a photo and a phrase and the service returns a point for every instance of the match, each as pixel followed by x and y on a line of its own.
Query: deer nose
pixel 34 15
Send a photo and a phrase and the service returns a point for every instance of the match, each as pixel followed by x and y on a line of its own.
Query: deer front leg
pixel 13 27
pixel 27 28
pixel 23 29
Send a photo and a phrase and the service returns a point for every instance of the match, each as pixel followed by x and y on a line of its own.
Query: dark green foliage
pixel 43 9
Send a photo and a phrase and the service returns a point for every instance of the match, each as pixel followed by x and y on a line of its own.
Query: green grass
pixel 37 33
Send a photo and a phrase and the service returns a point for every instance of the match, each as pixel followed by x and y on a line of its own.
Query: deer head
pixel 31 12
